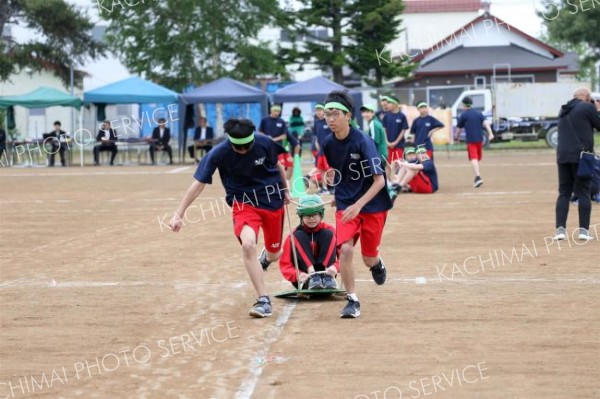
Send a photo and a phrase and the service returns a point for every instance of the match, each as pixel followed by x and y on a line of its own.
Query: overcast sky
pixel 519 13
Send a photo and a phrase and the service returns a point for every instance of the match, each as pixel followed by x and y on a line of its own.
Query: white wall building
pixel 426 22
pixel 32 123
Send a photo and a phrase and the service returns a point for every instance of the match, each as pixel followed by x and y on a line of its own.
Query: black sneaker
pixel 262 308
pixel 351 310
pixel 478 182
pixel 315 282
pixel 379 273
pixel 262 259
pixel 329 282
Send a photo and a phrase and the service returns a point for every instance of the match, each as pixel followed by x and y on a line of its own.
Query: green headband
pixel 243 140
pixel 422 104
pixel 336 105
pixel 409 150
pixel 319 106
pixel 368 107
pixel 275 108
pixel 391 100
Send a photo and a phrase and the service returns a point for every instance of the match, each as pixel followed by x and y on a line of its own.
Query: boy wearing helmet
pixel 417 172
pixel 256 190
pixel 315 248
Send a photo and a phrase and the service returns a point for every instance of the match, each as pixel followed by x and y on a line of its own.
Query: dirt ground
pixel 99 300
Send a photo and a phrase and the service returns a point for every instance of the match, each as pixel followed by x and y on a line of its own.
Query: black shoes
pixel 329 282
pixel 262 259
pixel 379 273
pixel 351 310
pixel 262 308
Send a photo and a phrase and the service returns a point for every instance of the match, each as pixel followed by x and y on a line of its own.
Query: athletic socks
pixel 354 297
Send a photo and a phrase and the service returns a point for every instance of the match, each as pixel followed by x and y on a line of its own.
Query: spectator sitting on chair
pixel 161 136
pixel 56 146
pixel 203 137
pixel 106 141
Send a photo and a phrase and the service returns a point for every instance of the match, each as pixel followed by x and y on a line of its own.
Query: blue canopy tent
pixel 42 97
pixel 223 90
pixel 133 90
pixel 316 89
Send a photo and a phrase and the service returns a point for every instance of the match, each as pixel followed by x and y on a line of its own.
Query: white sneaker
pixel 584 235
pixel 561 234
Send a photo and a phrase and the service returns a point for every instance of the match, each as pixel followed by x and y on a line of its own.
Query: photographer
pixel 577 120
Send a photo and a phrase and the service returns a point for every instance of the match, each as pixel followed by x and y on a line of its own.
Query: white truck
pixel 523 111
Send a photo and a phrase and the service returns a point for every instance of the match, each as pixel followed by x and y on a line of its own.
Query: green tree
pixel 253 60
pixel 574 26
pixel 63 37
pixel 375 24
pixel 358 29
pixel 178 42
pixel 307 48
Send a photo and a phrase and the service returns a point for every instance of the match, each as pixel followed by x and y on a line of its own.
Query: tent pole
pixel 12 142
pixel 81 130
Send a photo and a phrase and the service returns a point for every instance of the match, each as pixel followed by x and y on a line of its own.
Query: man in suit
pixel 55 144
pixel 203 138
pixel 2 143
pixel 161 135
pixel 106 141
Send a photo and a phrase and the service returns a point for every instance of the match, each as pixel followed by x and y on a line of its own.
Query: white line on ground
pixel 179 169
pixel 248 386
pixel 495 280
pixel 111 173
pixel 51 283
pixel 468 165
pixel 20 283
pixel 506 192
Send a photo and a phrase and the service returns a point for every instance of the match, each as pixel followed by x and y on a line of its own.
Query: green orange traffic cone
pixel 298 187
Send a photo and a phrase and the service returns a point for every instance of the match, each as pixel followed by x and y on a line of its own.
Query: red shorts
pixel 270 221
pixel 420 184
pixel 474 150
pixel 322 163
pixel 366 226
pixel 317 177
pixel 286 160
pixel 394 154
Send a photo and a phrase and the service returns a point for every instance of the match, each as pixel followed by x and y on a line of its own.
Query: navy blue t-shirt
pixel 355 160
pixel 249 179
pixel 321 132
pixel 472 121
pixel 394 124
pixel 273 127
pixel 421 127
pixel 291 140
pixel 429 170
